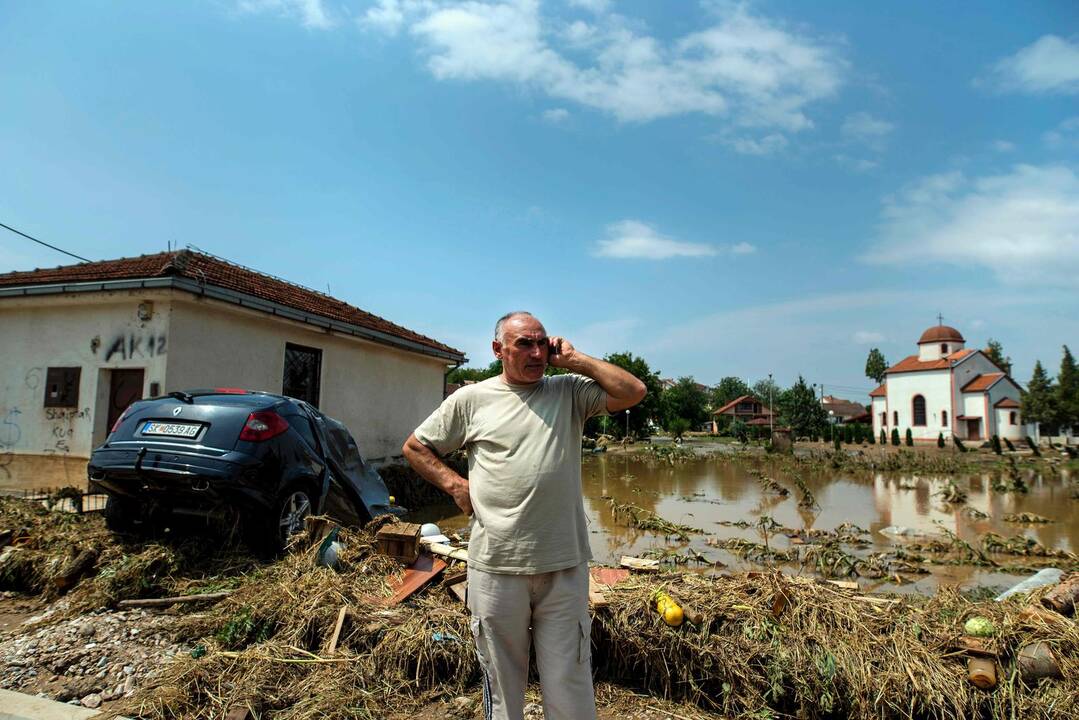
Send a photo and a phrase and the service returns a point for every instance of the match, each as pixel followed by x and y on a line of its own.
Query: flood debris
pixel 643 519
pixel 294 639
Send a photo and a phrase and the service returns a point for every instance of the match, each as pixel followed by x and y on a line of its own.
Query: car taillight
pixel 263 425
pixel 120 420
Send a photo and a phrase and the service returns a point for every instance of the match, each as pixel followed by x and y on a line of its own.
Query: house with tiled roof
pixel 842 411
pixel 83 341
pixel 947 388
pixel 747 408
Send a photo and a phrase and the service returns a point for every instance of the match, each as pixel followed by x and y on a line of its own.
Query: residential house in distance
pixel 947 388
pixel 746 408
pixel 842 411
pixel 81 342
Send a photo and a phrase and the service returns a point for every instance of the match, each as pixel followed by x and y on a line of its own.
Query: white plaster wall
pixel 998 392
pixel 973 366
pixel 380 393
pixel 879 405
pixel 934 385
pixel 974 406
pixel 94 332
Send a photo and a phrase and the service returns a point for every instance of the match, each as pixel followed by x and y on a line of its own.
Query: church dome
pixel 940 333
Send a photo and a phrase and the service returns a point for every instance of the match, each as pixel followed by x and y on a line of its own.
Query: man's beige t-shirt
pixel 524 468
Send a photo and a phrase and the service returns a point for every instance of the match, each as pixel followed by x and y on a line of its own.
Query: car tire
pixel 121 514
pixel 286 518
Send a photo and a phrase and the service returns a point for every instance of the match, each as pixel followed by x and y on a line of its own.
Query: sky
pixel 721 188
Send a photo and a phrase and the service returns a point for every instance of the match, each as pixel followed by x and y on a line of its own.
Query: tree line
pixel 685 404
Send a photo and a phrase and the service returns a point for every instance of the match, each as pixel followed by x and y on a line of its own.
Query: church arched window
pixel 944 418
pixel 1013 417
pixel 918 410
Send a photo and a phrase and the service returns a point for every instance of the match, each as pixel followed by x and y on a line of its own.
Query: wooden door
pixel 972 430
pixel 125 387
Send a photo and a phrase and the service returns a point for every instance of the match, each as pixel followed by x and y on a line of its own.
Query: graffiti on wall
pixel 129 346
pixel 10 434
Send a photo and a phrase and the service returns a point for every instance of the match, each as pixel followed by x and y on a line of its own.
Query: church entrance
pixel 974 429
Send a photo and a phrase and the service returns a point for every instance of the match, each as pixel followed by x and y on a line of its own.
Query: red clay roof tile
pixel 982 382
pixel 913 364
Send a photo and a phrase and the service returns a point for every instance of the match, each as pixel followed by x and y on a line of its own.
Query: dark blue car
pixel 227 455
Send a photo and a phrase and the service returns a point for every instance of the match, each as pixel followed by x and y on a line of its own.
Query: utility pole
pixel 771 410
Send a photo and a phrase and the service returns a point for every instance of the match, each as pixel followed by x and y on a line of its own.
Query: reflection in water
pixel 709 491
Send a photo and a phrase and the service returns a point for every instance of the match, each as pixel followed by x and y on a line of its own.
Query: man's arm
pixel 622 388
pixel 431 468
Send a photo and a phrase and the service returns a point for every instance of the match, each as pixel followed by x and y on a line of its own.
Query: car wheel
pixel 293 507
pixel 121 514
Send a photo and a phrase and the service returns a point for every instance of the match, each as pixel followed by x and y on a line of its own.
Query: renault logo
pixel 177 410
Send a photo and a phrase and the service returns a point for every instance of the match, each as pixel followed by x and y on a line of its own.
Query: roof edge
pixel 216 292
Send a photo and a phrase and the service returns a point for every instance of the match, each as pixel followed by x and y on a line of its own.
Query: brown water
pixel 703 493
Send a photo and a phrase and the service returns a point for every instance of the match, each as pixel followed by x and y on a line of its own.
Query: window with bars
pixel 303 370
pixel 918 410
pixel 62 387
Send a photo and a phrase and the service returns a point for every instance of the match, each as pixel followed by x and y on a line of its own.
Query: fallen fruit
pixel 979 627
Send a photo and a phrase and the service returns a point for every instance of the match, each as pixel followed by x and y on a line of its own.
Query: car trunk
pixel 208 423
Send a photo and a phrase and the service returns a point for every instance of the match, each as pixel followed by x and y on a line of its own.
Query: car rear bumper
pixel 177 480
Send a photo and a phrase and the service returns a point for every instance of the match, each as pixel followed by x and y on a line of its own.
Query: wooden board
pixel 459 591
pixel 331 648
pixel 595 593
pixel 419 573
pixel 639 564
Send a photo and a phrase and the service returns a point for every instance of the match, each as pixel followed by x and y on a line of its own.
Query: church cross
pixel 940 319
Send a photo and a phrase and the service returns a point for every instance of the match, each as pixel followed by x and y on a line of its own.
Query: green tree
pixel 826 432
pixel 1040 399
pixel 739 429
pixel 461 374
pixel 642 413
pixel 837 446
pixel 800 409
pixel 995 352
pixel 876 366
pixel 677 427
pixel 940 440
pixel 995 443
pixel 895 437
pixel 910 438
pixel 685 400
pixel 1067 395
pixel 729 388
pixel 883 437
pixel 768 392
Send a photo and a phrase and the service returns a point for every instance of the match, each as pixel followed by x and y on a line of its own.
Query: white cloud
pixel 764 146
pixel 1003 146
pixel 556 115
pixel 1049 65
pixel 1023 225
pixel 746 68
pixel 311 13
pixel 1066 133
pixel 635 239
pixel 596 6
pixel 868 337
pixel 863 127
pixel 855 164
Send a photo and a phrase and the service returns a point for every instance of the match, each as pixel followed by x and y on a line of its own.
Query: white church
pixel 947 388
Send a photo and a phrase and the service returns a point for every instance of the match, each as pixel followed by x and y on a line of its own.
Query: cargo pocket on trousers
pixel 480 640
pixel 584 643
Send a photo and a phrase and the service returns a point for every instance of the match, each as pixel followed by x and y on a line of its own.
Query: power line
pixel 41 242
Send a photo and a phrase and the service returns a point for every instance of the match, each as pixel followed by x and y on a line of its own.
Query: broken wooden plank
pixel 595 593
pixel 459 590
pixel 418 574
pixel 331 648
pixel 166 601
pixel 240 712
pixel 449 551
pixel 73 572
pixel 639 564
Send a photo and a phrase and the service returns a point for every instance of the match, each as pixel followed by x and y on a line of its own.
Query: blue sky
pixel 722 188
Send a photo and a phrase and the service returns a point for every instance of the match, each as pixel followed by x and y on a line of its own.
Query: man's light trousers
pixel 549 609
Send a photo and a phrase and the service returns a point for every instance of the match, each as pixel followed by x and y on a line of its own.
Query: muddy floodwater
pixel 707 492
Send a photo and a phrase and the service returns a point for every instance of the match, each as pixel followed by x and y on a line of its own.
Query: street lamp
pixel 771 411
pixel 627 422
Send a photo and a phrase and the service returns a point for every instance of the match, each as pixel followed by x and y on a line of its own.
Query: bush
pixel 883 437
pixel 836 437
pixel 1011 448
pixel 959 443
pixel 870 436
pixel 895 437
pixel 828 433
pixel 940 440
pixel 738 429
pixel 678 427
pixel 995 442
pixel 910 438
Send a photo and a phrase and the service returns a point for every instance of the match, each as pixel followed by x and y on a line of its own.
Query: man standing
pixel 528 551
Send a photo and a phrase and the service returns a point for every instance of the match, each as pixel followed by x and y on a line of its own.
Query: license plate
pixel 184 430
